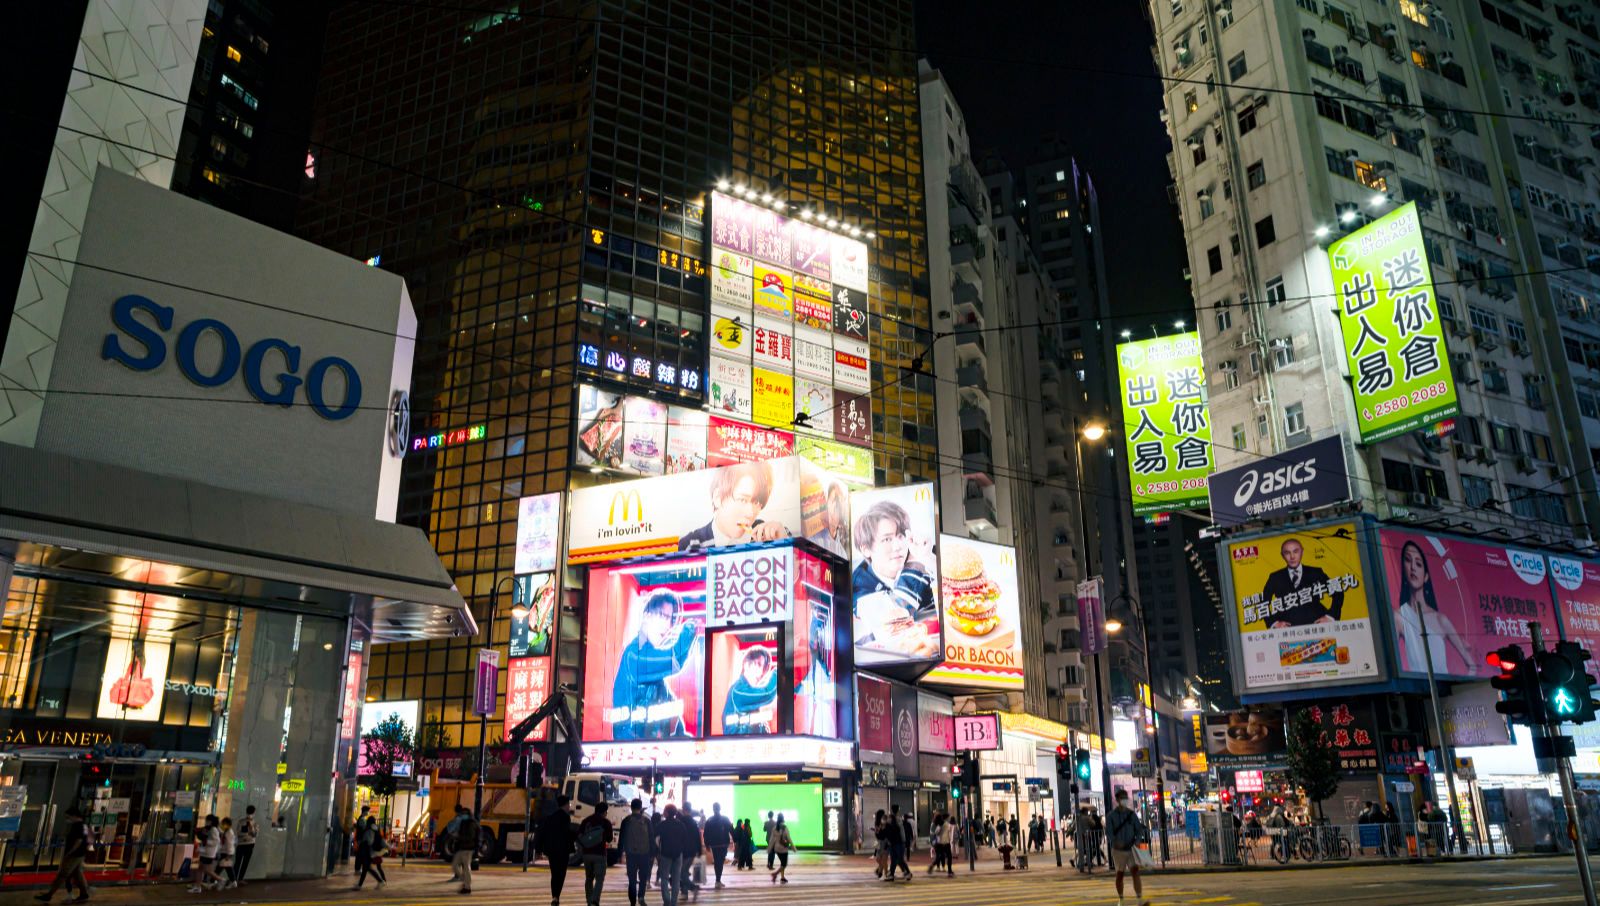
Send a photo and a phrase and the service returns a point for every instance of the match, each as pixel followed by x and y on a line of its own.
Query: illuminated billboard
pixel 790 331
pixel 1302 609
pixel 1393 335
pixel 1165 422
pixel 895 576
pixel 531 635
pixel 980 614
pixel 711 645
pixel 738 504
pixel 538 533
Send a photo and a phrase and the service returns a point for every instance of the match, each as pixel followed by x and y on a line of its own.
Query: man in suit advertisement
pixel 1301 608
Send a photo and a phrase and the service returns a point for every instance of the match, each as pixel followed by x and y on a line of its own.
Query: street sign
pixel 1465 768
pixel 486 689
pixel 1033 781
pixel 1141 765
pixel 1404 786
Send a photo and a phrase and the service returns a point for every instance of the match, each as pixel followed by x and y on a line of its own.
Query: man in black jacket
pixel 555 838
pixel 718 834
pixel 1290 584
pixel 894 834
pixel 676 844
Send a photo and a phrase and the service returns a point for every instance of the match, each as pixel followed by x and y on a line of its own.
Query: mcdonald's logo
pixel 924 494
pixel 628 499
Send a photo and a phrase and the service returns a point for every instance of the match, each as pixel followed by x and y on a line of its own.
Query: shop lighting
pixel 855 231
pixel 1178 323
pixel 832 223
pixel 1348 216
pixel 722 185
pixel 1379 200
pixel 806 213
pixel 767 198
pixel 1321 232
pixel 871 235
pixel 1126 333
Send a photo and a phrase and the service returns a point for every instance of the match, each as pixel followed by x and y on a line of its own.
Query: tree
pixel 1313 761
pixel 386 745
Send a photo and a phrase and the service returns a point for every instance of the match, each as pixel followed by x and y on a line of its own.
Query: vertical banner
pixel 527 686
pixel 1165 421
pixel 1393 338
pixel 1091 616
pixel 874 729
pixel 484 692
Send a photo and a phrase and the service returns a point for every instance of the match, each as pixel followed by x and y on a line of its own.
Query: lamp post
pixel 518 612
pixel 1092 432
pixel 1155 743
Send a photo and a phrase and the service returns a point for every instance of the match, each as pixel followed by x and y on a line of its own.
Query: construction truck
pixel 509 809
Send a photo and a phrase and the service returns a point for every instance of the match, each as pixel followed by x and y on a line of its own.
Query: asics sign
pixel 1291 482
pixel 269 367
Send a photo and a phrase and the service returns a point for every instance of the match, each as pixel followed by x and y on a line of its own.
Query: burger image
pixel 970 596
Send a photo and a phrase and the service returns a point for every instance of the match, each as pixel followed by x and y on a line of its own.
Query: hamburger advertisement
pixel 978 607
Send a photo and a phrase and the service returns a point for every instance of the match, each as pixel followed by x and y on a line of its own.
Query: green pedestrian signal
pixel 1563 703
pixel 1566 688
pixel 1080 759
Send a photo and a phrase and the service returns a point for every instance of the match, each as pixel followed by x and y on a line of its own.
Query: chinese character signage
pixel 1091 616
pixel 728 442
pixel 1168 430
pixel 1389 318
pixel 1455 601
pixel 772 395
pixel 527 686
pixel 1352 730
pixel 1578 593
pixel 1302 609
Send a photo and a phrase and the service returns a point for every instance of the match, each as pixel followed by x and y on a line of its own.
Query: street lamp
pixel 518 612
pixel 1092 432
pixel 1155 742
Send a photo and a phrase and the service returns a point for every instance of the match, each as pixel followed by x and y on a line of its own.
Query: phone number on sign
pixel 1420 395
pixel 1170 487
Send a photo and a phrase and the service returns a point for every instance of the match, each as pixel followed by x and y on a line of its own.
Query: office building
pixel 1293 124
pixel 541 178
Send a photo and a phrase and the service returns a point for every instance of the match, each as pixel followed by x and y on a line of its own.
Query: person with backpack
pixel 719 835
pixel 1124 831
pixel 207 843
pixel 69 873
pixel 880 848
pixel 466 849
pixel 556 838
pixel 782 844
pixel 594 835
pixel 638 849
pixel 370 847
pixel 246 846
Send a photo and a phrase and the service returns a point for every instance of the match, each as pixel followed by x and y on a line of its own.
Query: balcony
pixel 974 419
pixel 973 376
pixel 970 342
pixel 979 512
pixel 967 298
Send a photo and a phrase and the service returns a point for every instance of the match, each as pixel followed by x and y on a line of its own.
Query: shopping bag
pixel 1142 857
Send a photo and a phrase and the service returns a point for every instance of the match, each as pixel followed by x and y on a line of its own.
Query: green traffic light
pixel 1563 702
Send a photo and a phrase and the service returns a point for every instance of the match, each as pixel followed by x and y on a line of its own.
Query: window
pixel 1224 316
pixel 1539 446
pixel 1515 331
pixel 1230 375
pixel 1533 503
pixel 1477 491
pixel 1263 425
pixel 1238 437
pixel 1198 151
pixel 1265 234
pixel 1504 438
pixel 234 55
pixel 1214 259
pixel 1282 352
pixel 1191 102
pixel 1236 68
pixel 1588 406
pixel 1207 208
pixel 1275 293
pixel 1469 430
pixel 248 98
pixel 1368 176
pixel 1409 479
pixel 1256 175
pixel 1233 244
pixel 1486 321
pixel 1533 390
pixel 1061 176
pixel 1494 379
pixel 1247 120
pixel 1413 11
pixel 1294 419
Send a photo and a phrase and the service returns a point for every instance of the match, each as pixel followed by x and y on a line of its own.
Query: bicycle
pixel 1324 843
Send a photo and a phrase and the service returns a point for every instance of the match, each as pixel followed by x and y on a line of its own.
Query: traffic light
pixel 969 771
pixel 1063 761
pixel 659 783
pixel 955 791
pixel 1564 687
pixel 1080 765
pixel 1519 680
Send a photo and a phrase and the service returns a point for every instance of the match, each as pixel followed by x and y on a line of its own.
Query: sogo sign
pixel 234 360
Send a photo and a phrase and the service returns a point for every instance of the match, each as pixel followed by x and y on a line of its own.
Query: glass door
pixel 51 786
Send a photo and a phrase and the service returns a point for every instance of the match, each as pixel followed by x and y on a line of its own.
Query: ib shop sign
pixel 1307 477
pixel 210 354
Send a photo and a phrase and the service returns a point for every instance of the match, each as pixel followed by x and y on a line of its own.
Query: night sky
pixel 991 54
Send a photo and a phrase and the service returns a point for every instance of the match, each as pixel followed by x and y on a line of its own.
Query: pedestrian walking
pixel 1016 832
pixel 741 844
pixel 638 850
pixel 69 873
pixel 719 836
pixel 225 850
pixel 446 842
pixel 782 845
pixel 556 839
pixel 693 873
pixel 675 844
pixel 655 831
pixel 594 837
pixel 208 841
pixel 766 838
pixel 1125 831
pixel 246 847
pixel 1097 834
pixel 1391 829
pixel 895 836
pixel 370 847
pixel 466 847
pixel 988 830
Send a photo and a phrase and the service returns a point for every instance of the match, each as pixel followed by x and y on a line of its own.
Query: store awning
pixel 79 521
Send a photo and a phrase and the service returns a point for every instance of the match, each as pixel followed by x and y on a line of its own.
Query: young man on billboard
pixel 643 705
pixel 753 697
pixel 891 587
pixel 738 495
pixel 1288 582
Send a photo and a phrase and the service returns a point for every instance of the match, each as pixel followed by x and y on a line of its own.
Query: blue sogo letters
pixel 252 359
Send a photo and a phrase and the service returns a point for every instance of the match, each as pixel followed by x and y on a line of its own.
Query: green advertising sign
pixel 1393 339
pixel 1165 421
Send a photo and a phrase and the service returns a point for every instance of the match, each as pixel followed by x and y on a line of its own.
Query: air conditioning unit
pixel 1395 56
pixel 1524 464
pixel 1459 329
pixel 1310 34
pixel 1521 348
pixel 1417 498
pixel 1484 341
pixel 1446 58
pixel 1390 31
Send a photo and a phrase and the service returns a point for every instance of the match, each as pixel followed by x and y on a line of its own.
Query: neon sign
pixel 449 438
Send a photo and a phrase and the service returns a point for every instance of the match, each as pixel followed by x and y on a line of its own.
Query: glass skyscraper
pixel 539 176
